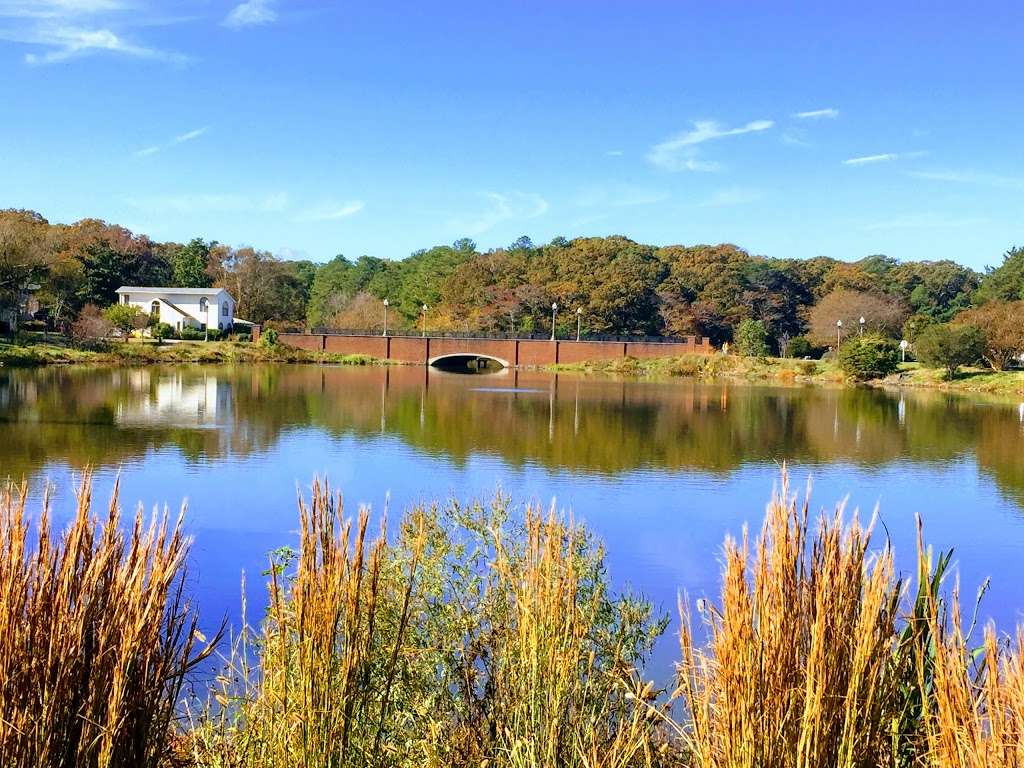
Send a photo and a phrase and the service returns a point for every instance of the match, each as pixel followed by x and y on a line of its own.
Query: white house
pixel 182 307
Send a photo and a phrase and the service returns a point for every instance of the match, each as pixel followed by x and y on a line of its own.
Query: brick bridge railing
pixel 510 352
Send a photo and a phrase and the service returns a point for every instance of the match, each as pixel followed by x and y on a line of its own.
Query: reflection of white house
pixel 182 307
pixel 177 399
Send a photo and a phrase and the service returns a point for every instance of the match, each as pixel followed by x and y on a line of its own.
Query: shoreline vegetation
pixel 806 372
pixel 772 370
pixel 478 635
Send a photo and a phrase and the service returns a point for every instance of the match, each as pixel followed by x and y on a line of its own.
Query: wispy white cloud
pixel 817 114
pixel 614 153
pixel 928 220
pixel 332 211
pixel 191 135
pixel 206 203
pixel 979 178
pixel 869 159
pixel 679 153
pixel 885 157
pixel 180 139
pixel 502 207
pixel 58 9
pixel 731 196
pixel 71 29
pixel 251 13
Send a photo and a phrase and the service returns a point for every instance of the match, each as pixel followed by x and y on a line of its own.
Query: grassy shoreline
pixel 60 352
pixel 706 367
pixel 804 372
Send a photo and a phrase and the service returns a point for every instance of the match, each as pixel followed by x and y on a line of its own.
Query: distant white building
pixel 182 307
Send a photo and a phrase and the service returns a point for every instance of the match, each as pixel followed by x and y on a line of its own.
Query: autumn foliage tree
pixel 882 314
pixel 1002 324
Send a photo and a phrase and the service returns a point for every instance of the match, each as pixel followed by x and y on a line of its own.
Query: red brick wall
pixel 302 341
pixel 584 351
pixel 409 350
pixel 375 346
pixel 536 352
pixel 531 352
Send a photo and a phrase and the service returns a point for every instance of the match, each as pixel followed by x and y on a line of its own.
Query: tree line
pixel 622 287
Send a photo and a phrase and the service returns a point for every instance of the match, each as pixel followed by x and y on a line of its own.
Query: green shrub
pixel 807 367
pixel 162 331
pixel 269 338
pixel 214 334
pixel 751 339
pixel 949 347
pixel 871 356
pixel 191 334
pixel 798 347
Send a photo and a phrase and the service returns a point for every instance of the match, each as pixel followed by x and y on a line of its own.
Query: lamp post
pixel 512 322
pixel 424 308
pixel 206 326
pixel 579 321
pixel 904 346
pixel 839 333
pixel 554 312
pixel 862 325
pixel 386 304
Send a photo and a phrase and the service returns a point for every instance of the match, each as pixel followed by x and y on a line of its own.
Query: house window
pixel 204 305
pixel 126 299
pixel 154 310
pixel 224 309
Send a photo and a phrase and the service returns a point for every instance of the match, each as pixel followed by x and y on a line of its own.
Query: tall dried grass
pixel 96 636
pixel 475 641
pixel 465 642
pixel 796 669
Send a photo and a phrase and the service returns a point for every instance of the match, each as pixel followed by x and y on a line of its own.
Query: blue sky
pixel 316 128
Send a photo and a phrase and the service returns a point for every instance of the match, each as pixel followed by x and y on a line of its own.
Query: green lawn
pixel 57 351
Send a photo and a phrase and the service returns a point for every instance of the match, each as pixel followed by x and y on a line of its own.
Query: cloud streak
pixel 332 211
pixel 251 13
pixel 817 114
pixel 679 153
pixel 886 157
pixel 510 206
pixel 978 178
pixel 180 139
pixel 71 29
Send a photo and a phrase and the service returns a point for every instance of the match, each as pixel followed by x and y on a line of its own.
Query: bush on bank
pixel 867 357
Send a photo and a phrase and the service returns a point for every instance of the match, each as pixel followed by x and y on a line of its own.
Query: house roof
pixel 171 290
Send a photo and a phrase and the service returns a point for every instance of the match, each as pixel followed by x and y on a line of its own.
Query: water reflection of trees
pixel 104 417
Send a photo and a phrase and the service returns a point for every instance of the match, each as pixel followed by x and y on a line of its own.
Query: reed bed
pixel 468 641
pixel 476 639
pixel 96 636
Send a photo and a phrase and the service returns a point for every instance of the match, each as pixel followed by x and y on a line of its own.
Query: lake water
pixel 660 470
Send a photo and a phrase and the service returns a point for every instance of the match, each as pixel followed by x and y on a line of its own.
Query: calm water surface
pixel 662 471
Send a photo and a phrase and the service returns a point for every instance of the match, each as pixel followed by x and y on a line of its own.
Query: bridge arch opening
pixel 469 362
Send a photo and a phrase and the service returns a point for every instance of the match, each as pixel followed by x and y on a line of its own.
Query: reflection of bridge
pixel 512 353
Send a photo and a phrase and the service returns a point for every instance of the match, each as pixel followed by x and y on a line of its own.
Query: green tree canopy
pixel 190 265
